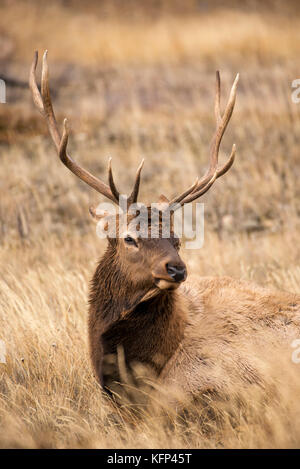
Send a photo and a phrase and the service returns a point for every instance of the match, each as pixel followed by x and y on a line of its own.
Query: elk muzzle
pixel 168 274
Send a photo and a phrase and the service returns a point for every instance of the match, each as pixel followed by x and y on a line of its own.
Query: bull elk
pixel 191 334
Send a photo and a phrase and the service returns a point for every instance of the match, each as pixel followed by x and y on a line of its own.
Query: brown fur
pixel 197 338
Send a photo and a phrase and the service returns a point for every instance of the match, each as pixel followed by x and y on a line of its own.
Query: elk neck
pixel 150 331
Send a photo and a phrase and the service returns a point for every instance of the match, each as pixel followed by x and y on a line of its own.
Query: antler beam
pixel 44 104
pixel 201 186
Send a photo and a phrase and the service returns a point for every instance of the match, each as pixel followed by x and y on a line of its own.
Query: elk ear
pixel 163 199
pixel 97 214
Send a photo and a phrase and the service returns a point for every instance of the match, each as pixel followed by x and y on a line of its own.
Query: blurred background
pixel 136 79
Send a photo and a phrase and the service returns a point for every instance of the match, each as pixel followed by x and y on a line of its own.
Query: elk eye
pixel 129 240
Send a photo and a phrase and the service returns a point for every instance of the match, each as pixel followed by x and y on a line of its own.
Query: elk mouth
pixel 163 284
pixel 171 276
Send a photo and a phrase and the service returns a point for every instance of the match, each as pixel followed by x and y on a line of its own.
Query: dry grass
pixel 136 88
pixel 165 39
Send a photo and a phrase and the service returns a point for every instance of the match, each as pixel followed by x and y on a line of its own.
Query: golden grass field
pixel 139 82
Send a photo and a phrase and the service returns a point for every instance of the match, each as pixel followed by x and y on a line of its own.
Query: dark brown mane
pixel 117 317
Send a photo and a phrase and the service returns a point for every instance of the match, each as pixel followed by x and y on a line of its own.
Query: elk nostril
pixel 176 272
pixel 171 269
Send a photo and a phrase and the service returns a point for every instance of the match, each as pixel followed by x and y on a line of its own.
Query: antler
pixel 203 185
pixel 44 104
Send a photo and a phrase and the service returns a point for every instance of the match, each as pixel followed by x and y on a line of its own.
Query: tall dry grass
pixel 140 87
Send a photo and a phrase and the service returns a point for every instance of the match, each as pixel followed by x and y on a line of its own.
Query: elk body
pixel 195 334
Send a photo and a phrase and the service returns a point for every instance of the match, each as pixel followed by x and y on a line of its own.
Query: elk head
pixel 153 262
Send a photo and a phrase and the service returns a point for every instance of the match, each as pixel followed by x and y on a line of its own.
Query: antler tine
pixel 213 172
pixel 222 170
pixel 222 124
pixel 132 199
pixel 37 99
pixel 111 181
pixel 218 98
pixel 180 197
pixel 195 195
pixel 198 193
pixel 49 113
pixel 228 163
pixel 135 191
pixel 44 104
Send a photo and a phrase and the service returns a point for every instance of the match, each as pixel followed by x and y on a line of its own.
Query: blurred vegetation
pixel 136 79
